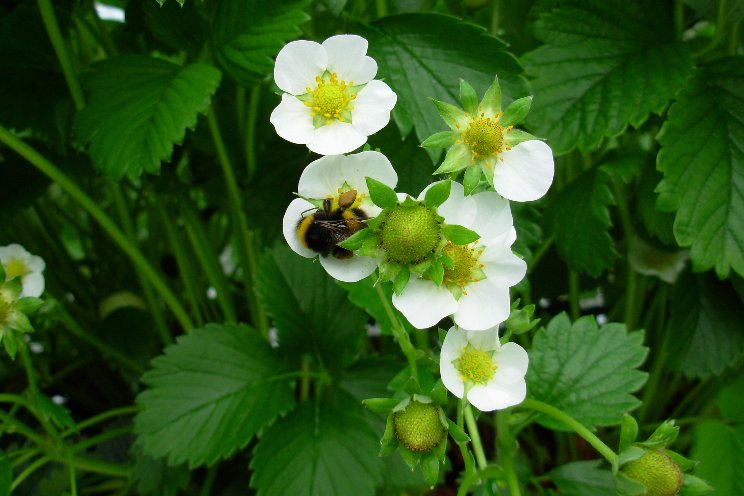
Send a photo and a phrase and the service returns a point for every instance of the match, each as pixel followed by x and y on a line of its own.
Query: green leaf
pixel 153 476
pixel 138 108
pixel 459 235
pixel 247 34
pixel 209 394
pixel 702 158
pixel 657 223
pixel 720 449
pixel 408 158
pixel 583 479
pixel 311 313
pixel 516 111
pixel 580 220
pixel 587 372
pixel 729 400
pixel 364 295
pixel 423 56
pixel 180 27
pixel 706 325
pixel 605 64
pixel 437 194
pixel 58 414
pixel 319 449
pixel 381 194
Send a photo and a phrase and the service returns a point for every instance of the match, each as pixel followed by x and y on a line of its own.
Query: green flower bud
pixel 657 471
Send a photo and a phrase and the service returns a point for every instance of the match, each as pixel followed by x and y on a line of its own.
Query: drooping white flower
pixel 493 374
pixel 331 101
pixel 330 182
pixel 20 263
pixel 475 290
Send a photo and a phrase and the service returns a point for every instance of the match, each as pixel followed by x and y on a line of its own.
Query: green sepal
pixel 437 194
pixel 430 467
pixel 684 464
pixel 459 235
pixel 516 112
pixel 13 288
pixel 410 457
pixel 628 432
pixel 388 442
pixel 380 405
pixel 451 114
pixel 442 139
pixel 491 102
pixel 457 158
pixel 458 434
pixel 388 271
pixel 388 449
pixel 438 393
pixel 520 321
pixel 410 202
pixel 19 322
pixel 472 179
pixel 447 261
pixel 421 267
pixel 318 121
pixel 436 272
pixel 401 280
pixel 2 274
pixel 694 486
pixel 517 136
pixel 468 97
pixel 625 486
pixel 371 247
pixel 10 342
pixel 442 333
pixel 628 455
pixel 487 172
pixel 411 386
pixel 663 436
pixel 374 223
pixel 381 194
pixel 29 304
pixel 356 240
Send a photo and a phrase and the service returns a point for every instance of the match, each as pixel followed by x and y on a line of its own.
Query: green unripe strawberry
pixel 418 426
pixel 657 471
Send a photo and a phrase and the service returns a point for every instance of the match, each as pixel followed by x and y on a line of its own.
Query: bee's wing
pixel 337 228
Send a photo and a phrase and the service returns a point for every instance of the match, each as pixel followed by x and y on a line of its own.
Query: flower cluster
pixel 447 252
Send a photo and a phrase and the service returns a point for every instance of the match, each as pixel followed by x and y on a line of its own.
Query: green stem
pixel 206 489
pixel 101 438
pixel 506 452
pixel 575 425
pixel 475 439
pixel 718 36
pixel 21 428
pixel 40 462
pixel 73 479
pixel 30 373
pixel 58 42
pixel 49 169
pixel 495 18
pixel 400 334
pixel 246 250
pixel 573 295
pixel 101 417
pixel 381 6
pixel 733 44
pixel 540 253
pixel 679 18
pixel 100 466
pixel 250 131
pixel 657 369
pixel 103 35
pixel 305 379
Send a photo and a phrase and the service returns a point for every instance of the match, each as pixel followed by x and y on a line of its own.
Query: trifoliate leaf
pixel 580 221
pixel 720 449
pixel 588 372
pixel 423 56
pixel 154 477
pixel 319 449
pixel 706 325
pixel 209 394
pixel 702 158
pixel 138 108
pixel 605 64
pixel 583 479
pixel 311 313
pixel 246 34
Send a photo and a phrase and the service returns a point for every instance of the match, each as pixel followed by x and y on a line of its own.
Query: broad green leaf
pixel 720 449
pixel 702 158
pixel 209 394
pixel 729 400
pixel 369 377
pixel 588 372
pixel 311 313
pixel 412 163
pixel 153 476
pixel 319 449
pixel 138 108
pixel 583 479
pixel 706 325
pixel 657 223
pixel 605 64
pixel 6 475
pixel 580 220
pixel 423 56
pixel 364 295
pixel 247 34
pixel 180 27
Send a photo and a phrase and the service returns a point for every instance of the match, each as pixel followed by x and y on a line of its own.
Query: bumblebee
pixel 322 230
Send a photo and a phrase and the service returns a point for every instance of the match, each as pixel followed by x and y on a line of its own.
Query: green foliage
pixel 209 394
pixel 605 64
pixel 153 476
pixel 587 371
pixel 139 108
pixel 583 479
pixel 702 158
pixel 720 449
pixel 6 475
pixel 318 449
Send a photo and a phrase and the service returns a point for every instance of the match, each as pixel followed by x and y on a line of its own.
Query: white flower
pixel 476 290
pixel 494 373
pixel 327 181
pixel 331 102
pixel 20 263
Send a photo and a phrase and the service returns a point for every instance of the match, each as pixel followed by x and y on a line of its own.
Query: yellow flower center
pixel 484 136
pixel 16 268
pixel 331 99
pixel 475 366
pixel 466 268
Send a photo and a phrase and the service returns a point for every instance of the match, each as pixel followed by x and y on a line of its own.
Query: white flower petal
pixel 484 306
pixel 326 175
pixel 514 357
pixel 501 266
pixel 33 284
pixel 323 177
pixel 292 120
pixel 297 65
pixel 292 217
pixel 495 396
pixel 424 303
pixel 351 269
pixel 35 263
pixel 526 172
pixel 335 139
pixel 458 208
pixel 454 343
pixel 372 107
pixel 493 215
pixel 347 58
pixel 486 340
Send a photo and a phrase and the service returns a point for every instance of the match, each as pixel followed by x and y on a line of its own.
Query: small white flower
pixel 326 181
pixel 331 102
pixel 476 290
pixel 20 263
pixel 493 374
